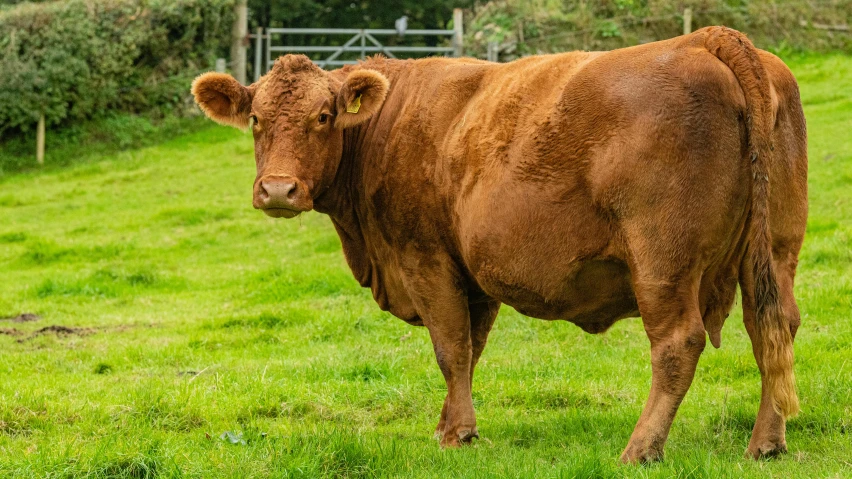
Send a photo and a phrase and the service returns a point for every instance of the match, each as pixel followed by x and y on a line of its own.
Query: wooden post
pixel 238 41
pixel 40 140
pixel 258 53
pixel 687 21
pixel 267 52
pixel 220 65
pixel 458 37
pixel 493 51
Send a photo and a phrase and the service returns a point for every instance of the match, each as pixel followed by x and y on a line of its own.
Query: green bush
pixel 79 59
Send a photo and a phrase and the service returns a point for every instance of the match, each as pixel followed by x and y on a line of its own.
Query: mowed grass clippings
pixel 180 333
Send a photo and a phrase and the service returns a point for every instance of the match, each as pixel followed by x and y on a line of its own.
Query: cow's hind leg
pixel 673 323
pixel 482 316
pixel 768 436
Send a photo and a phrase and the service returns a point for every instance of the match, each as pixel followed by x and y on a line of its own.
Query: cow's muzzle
pixel 282 196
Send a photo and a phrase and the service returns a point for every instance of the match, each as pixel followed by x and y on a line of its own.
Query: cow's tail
pixel 773 333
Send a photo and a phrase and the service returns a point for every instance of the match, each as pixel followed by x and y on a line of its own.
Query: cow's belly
pixel 594 296
pixel 548 260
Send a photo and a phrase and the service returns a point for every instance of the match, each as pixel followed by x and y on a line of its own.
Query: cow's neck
pixel 341 200
pixel 344 200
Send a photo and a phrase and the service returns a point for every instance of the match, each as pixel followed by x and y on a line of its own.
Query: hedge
pixel 79 59
pixel 523 27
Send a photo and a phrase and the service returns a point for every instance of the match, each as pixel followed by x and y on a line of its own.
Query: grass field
pixel 183 334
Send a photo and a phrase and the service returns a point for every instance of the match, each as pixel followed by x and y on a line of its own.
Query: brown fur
pixel 587 187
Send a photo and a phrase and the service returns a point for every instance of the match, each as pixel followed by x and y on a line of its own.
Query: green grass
pixel 208 340
pixel 97 138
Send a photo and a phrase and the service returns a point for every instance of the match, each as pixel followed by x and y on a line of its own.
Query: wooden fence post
pixel 40 140
pixel 267 53
pixel 238 41
pixel 493 52
pixel 258 53
pixel 687 21
pixel 458 37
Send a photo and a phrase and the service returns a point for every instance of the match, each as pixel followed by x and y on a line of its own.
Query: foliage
pixel 77 59
pixel 543 26
pixel 197 316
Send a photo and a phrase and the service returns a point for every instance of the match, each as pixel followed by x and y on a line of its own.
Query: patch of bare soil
pixel 22 318
pixel 60 331
pixel 63 331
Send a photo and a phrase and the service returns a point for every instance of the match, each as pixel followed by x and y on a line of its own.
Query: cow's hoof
pixel 439 431
pixel 640 456
pixel 466 435
pixel 461 437
pixel 766 450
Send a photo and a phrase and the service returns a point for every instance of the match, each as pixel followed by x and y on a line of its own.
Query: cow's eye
pixel 323 118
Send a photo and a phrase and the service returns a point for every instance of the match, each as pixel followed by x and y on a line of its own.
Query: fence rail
pixel 355 31
pixel 301 48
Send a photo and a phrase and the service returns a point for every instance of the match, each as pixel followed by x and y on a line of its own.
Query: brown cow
pixel 588 187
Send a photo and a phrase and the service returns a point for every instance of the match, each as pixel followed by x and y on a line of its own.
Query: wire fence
pixel 795 24
pixel 630 20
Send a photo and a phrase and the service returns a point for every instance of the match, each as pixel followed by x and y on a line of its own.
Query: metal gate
pixel 361 41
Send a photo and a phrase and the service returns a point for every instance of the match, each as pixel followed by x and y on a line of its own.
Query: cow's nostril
pixel 292 191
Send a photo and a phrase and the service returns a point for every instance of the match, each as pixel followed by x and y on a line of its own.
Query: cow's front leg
pixel 444 310
pixel 482 317
pixel 673 323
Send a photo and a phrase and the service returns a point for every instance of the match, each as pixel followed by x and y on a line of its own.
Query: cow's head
pixel 297 113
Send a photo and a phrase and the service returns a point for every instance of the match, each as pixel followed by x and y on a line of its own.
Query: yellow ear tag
pixel 354 106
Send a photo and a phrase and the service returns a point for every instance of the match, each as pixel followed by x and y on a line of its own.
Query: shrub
pixel 77 59
pixel 523 27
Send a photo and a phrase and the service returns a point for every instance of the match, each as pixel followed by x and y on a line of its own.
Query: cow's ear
pixel 360 97
pixel 223 99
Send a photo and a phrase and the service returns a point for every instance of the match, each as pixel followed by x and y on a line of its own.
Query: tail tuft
pixel 776 352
